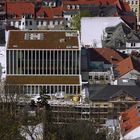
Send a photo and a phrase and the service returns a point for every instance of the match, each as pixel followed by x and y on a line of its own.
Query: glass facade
pixel 43 62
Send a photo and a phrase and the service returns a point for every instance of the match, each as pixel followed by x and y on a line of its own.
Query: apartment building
pixel 48 60
pixel 135 7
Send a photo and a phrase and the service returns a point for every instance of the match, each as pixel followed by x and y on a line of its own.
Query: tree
pixel 75 21
pixel 46 116
pixel 9 124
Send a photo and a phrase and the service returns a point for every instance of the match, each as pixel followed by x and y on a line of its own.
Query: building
pixel 33 17
pixel 135 7
pixel 38 60
pixel 122 38
pixel 93 28
pixel 111 100
pixel 97 64
pixel 129 123
pixel 127 71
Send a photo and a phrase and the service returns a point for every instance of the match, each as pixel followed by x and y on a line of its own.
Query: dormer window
pixel 68 6
pixel 73 6
pixel 77 6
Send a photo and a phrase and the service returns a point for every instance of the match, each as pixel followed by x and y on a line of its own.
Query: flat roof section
pixel 21 80
pixel 43 40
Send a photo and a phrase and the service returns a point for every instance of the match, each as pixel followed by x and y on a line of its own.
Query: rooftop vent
pixel 15 46
pixel 74 47
pixel 62 40
pixel 34 36
pixel 71 34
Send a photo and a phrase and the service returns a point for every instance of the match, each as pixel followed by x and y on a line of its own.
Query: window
pixel 41 22
pixel 132 2
pixel 96 77
pixel 136 2
pixel 30 22
pixel 133 44
pixel 136 10
pixel 19 22
pixel 107 78
pixel 37 23
pixel 102 77
pixel 90 77
pixel 26 23
pixel 68 6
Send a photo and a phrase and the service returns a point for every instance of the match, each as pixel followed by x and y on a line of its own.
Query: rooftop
pixel 130 120
pixel 43 80
pixel 43 40
pixel 20 8
pixel 109 92
pixel 126 66
pixel 107 55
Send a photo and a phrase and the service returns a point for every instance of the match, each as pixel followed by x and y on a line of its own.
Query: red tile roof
pixel 130 119
pixel 126 7
pixel 127 65
pixel 20 8
pixel 97 2
pixel 50 13
pixel 108 55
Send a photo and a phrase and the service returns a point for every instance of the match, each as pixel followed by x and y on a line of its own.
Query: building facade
pixel 135 7
pixel 44 59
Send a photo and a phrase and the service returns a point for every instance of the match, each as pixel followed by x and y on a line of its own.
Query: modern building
pixel 38 60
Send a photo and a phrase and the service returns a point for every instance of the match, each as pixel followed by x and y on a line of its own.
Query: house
pixel 34 17
pixel 47 61
pixel 113 99
pixel 129 123
pixel 126 71
pixel 135 7
pixel 97 64
pixel 121 37
pixel 49 18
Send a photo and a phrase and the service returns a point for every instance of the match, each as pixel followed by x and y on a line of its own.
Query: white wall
pixel 132 45
pixel 92 29
pixel 133 134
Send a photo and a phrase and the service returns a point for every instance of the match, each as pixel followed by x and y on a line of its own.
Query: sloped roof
pixel 121 93
pixel 107 55
pixel 120 32
pixel 109 91
pixel 127 65
pixel 50 13
pixel 20 8
pixel 130 119
pixel 97 2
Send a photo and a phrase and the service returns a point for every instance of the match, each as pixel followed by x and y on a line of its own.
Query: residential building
pixel 121 37
pixel 127 71
pixel 93 28
pixel 113 99
pixel 97 64
pixel 135 7
pixel 129 123
pixel 38 60
pixel 32 18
